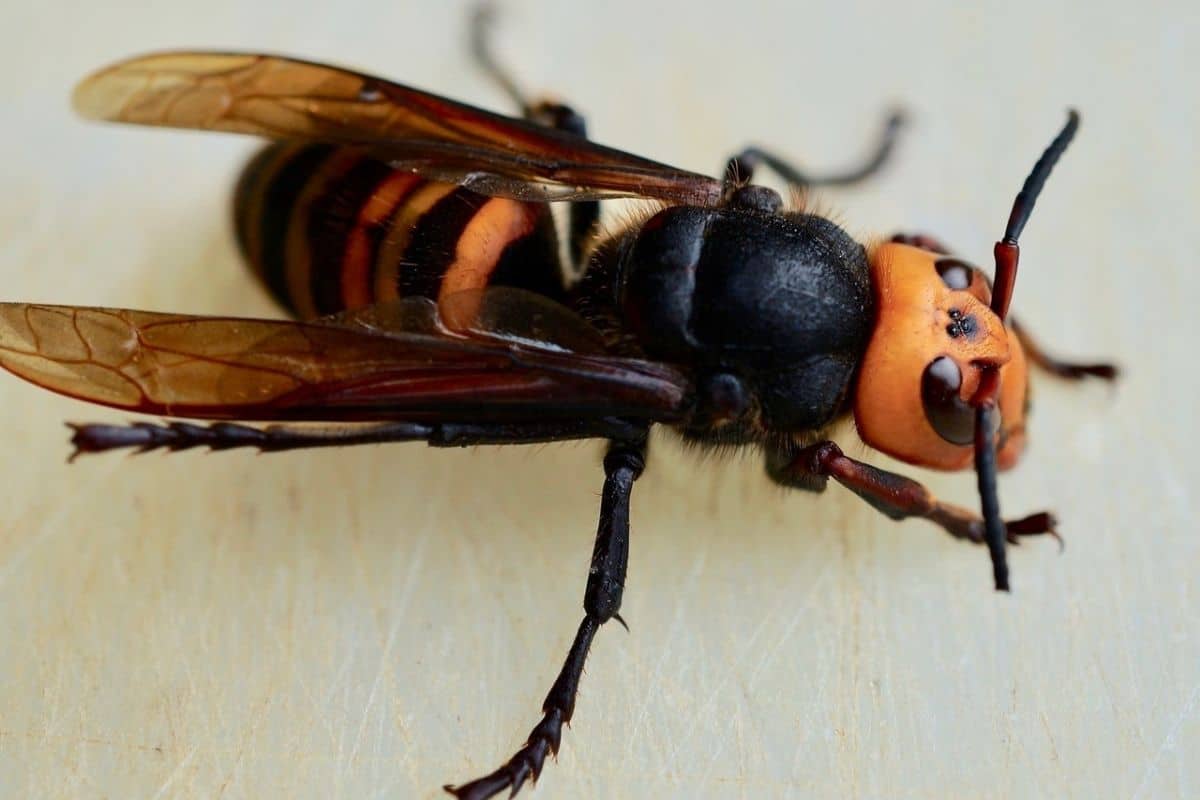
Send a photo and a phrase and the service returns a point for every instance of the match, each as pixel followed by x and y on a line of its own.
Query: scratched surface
pixel 376 622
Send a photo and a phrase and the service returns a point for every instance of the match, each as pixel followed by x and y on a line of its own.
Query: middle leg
pixel 601 602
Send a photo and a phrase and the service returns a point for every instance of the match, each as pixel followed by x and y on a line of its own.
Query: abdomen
pixel 327 229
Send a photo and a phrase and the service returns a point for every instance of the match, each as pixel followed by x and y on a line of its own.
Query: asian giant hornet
pixel 411 237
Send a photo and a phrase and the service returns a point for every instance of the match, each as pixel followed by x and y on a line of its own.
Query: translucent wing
pixel 497 314
pixel 283 98
pixel 402 365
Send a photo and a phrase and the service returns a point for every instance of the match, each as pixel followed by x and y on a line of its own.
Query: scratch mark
pixel 1117 710
pixel 162 790
pixel 255 722
pixel 1168 742
pixel 50 526
pixel 41 737
pixel 1050 736
pixel 385 660
pixel 803 610
pixel 653 686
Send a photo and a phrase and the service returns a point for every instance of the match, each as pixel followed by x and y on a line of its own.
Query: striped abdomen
pixel 327 229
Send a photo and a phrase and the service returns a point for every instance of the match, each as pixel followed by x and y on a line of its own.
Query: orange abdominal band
pixel 498 224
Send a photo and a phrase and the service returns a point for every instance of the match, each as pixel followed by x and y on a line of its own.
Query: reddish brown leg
pixel 894 495
pixel 1064 369
pixel 921 240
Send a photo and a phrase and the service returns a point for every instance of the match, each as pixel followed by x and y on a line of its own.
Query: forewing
pixel 249 369
pixel 283 98
pixel 495 314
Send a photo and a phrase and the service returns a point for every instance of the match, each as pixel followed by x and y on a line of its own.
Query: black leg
pixel 146 436
pixel 601 602
pixel 482 19
pixel 740 169
pixel 583 215
pixel 894 495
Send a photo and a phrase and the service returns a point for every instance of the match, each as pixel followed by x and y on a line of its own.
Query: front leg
pixel 601 602
pixel 894 495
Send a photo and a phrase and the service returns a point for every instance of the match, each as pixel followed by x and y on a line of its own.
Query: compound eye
pixel 955 274
pixel 949 416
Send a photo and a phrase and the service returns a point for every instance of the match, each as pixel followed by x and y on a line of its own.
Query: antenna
pixel 1007 255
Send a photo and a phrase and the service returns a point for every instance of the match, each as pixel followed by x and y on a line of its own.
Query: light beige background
pixel 378 621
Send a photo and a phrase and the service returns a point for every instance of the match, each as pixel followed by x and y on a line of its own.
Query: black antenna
pixel 1006 251
pixel 1023 205
pixel 1007 257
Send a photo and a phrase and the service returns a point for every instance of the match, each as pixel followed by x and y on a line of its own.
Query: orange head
pixel 935 336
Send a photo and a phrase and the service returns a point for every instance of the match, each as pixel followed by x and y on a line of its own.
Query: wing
pixel 283 98
pixel 343 370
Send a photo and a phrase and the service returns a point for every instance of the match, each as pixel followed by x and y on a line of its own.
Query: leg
pixel 740 168
pixel 921 240
pixel 583 215
pixel 1055 366
pixel 601 602
pixel 894 495
pixel 146 436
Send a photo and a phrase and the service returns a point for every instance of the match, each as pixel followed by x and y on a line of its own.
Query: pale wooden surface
pixel 375 622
